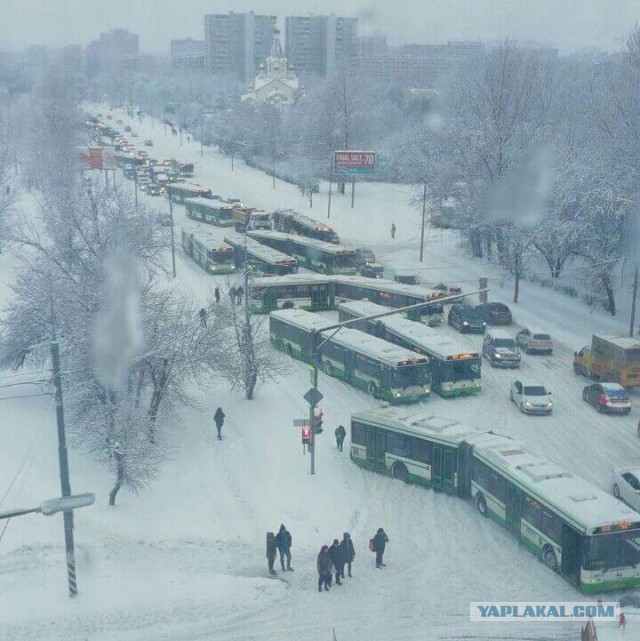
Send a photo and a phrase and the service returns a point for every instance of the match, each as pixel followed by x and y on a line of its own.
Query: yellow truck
pixel 610 358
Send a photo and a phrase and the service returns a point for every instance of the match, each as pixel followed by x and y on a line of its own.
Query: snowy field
pixel 185 560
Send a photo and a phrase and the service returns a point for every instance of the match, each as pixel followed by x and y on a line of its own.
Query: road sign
pixel 66 503
pixel 313 396
pixel 301 422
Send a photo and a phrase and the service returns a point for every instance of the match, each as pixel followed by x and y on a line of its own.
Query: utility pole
pixel 330 184
pixel 173 241
pixel 135 183
pixel 201 135
pixel 424 210
pixel 353 192
pixel 65 485
pixel 633 302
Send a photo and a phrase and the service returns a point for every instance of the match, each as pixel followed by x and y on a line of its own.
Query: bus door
pixel 443 464
pixel 348 359
pixel 571 553
pixel 371 446
pixel 318 296
pixel 380 450
pixel 513 509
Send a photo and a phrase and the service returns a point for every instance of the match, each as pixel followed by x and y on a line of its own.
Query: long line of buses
pixel 582 533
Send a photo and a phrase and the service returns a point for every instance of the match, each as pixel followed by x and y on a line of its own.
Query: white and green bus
pixel 455 368
pixel 317 255
pixel 260 259
pixel 384 370
pixel 213 212
pixel 179 192
pixel 585 535
pixel 212 255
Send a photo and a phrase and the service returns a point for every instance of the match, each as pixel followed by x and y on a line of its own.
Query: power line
pixel 9 398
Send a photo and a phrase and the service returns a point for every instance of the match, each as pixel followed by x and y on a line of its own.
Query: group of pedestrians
pixel 236 294
pixel 281 543
pixel 333 559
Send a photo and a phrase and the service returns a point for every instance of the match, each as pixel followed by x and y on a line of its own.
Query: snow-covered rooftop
pixel 320 245
pixel 258 250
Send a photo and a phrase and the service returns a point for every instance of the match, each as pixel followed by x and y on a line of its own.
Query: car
pixel 449 290
pixel 148 142
pixel 127 128
pixel 466 319
pixel 118 122
pixel 236 202
pixel 154 190
pixel 531 398
pixel 607 397
pixel 372 270
pixel 364 256
pixel 500 349
pixel 625 484
pixel 134 134
pixel 534 341
pixel 495 313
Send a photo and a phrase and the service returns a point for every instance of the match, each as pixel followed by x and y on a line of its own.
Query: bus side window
pixel 497 486
pixel 358 434
pixel 420 450
pixel 532 512
pixel 552 526
pixel 481 474
pixel 398 444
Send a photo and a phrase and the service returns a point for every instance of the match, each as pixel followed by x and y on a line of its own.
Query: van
pixel 500 348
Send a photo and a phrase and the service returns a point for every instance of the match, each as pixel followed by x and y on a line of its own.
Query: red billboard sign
pixel 355 161
pixel 97 157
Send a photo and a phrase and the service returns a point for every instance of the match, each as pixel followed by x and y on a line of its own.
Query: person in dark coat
pixel 218 418
pixel 348 552
pixel 239 294
pixel 380 540
pixel 336 558
pixel 393 230
pixel 232 294
pixel 340 434
pixel 203 316
pixel 271 551
pixel 216 293
pixel 324 568
pixel 283 541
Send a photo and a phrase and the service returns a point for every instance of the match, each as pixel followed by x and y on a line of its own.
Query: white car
pixel 531 398
pixel 626 485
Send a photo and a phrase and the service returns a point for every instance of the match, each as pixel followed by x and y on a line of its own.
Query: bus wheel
pixel 328 368
pixel 481 502
pixel 549 557
pixel 616 490
pixel 373 389
pixel 400 472
pixel 289 350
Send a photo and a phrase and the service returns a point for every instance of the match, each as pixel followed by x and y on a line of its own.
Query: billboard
pixel 354 161
pixel 97 157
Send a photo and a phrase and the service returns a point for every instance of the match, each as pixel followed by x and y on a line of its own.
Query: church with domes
pixel 276 83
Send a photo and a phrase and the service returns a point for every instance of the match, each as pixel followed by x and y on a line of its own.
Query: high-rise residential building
pixel 237 43
pixel 187 53
pixel 117 47
pixel 320 45
pixel 371 46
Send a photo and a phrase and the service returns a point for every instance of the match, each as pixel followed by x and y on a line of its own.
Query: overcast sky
pixel 566 24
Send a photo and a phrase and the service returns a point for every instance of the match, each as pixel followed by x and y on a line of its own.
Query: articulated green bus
pixel 455 369
pixel 585 535
pixel 384 370
pixel 213 212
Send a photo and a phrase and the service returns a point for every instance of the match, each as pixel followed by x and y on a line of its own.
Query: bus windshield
pixel 463 370
pixel 344 260
pixel 410 375
pixel 222 256
pixel 612 551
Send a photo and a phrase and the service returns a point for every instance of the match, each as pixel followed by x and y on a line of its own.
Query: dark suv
pixel 466 319
pixel 495 313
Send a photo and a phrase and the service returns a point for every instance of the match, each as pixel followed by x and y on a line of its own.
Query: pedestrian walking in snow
pixel 336 559
pixel 380 541
pixel 218 418
pixel 348 552
pixel 324 568
pixel 393 230
pixel 283 542
pixel 340 434
pixel 239 294
pixel 232 294
pixel 216 293
pixel 203 316
pixel 271 551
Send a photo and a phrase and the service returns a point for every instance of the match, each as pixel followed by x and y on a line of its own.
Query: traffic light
pixel 306 435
